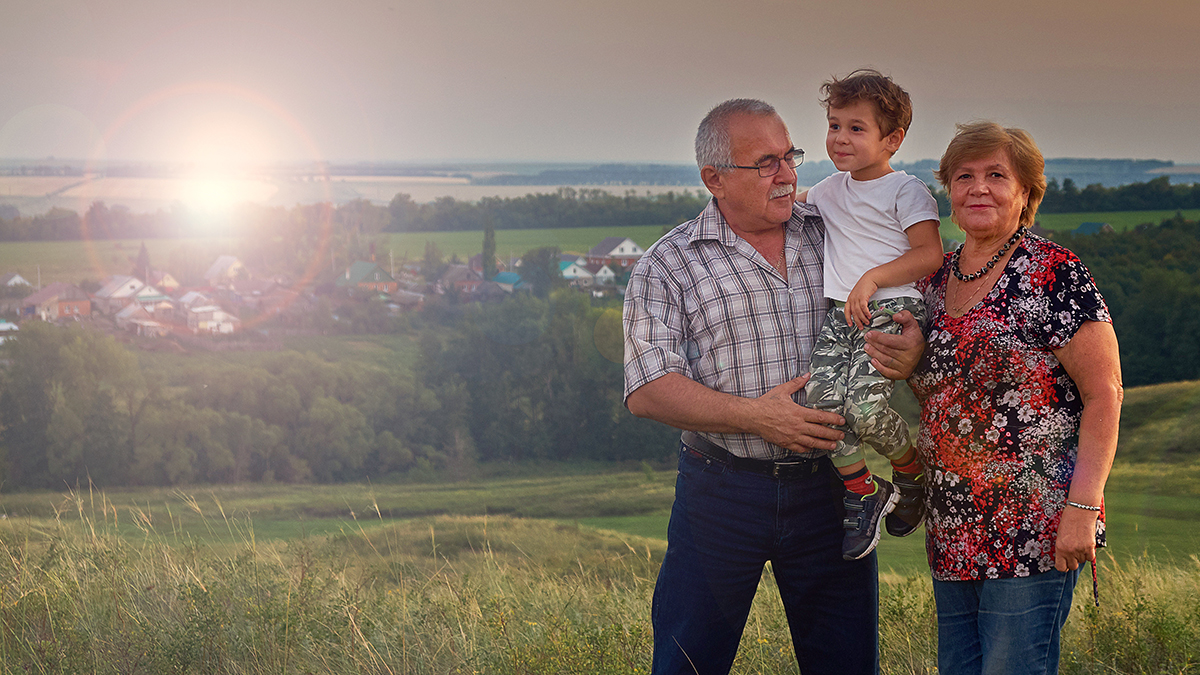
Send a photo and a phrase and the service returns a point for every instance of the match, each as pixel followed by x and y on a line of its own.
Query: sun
pixel 210 194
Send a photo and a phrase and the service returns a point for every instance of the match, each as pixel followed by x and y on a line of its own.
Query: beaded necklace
pixel 991 263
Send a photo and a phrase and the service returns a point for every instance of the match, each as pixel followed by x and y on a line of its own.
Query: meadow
pixel 545 568
pixel 75 261
pixel 502 575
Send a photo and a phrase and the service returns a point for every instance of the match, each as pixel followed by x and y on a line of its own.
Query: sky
pixel 231 81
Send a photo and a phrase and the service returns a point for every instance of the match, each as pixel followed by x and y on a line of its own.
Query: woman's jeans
pixel 1002 626
pixel 725 525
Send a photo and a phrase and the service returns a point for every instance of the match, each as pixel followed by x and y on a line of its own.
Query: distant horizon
pixel 11 161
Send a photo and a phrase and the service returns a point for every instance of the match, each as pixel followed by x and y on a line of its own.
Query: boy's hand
pixel 858 312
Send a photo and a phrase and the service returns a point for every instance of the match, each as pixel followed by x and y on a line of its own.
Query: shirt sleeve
pixel 654 327
pixel 1068 298
pixel 816 192
pixel 914 203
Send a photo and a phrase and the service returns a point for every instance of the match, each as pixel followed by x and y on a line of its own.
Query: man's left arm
pixel 897 356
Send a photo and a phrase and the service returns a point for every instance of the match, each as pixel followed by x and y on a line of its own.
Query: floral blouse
pixel 1000 416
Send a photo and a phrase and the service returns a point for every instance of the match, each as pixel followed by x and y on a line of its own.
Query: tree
pixel 539 269
pixel 489 250
pixel 141 268
pixel 432 266
pixel 404 212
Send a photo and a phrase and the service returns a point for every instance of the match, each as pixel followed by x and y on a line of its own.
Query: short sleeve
pixel 653 321
pixel 816 192
pixel 1065 297
pixel 914 203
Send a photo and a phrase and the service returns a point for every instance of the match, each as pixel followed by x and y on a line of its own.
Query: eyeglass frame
pixel 778 161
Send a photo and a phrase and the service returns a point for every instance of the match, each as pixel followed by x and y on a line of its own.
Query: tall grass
pixel 446 594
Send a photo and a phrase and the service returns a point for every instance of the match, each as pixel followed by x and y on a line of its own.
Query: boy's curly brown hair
pixel 893 107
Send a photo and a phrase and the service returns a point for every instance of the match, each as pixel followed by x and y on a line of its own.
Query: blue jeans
pixel 1002 626
pixel 725 525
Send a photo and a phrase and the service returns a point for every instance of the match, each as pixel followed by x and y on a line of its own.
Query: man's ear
pixel 894 140
pixel 713 180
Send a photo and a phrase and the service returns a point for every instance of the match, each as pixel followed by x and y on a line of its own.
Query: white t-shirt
pixel 865 223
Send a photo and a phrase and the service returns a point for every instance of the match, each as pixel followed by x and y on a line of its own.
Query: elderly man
pixel 720 319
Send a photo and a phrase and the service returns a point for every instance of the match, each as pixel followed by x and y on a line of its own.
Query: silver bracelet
pixel 1077 505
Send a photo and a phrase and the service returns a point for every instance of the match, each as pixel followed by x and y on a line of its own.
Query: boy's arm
pixel 923 258
pixel 802 197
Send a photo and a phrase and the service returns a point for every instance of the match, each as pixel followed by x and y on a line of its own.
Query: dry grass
pixel 449 594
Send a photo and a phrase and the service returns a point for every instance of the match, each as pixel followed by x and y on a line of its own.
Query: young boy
pixel 881 236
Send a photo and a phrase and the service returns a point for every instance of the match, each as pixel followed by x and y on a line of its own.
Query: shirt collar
pixel 712 225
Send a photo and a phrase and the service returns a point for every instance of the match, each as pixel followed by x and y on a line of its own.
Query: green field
pixel 514 243
pixel 77 260
pixel 74 261
pixel 1150 514
pixel 1065 222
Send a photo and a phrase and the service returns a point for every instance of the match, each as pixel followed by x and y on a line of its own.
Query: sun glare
pixel 211 195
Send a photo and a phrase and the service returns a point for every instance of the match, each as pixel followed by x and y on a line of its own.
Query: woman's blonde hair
pixel 977 140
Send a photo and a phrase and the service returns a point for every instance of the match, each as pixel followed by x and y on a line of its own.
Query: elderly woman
pixel 1020 387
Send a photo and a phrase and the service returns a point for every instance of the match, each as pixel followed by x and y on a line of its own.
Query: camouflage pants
pixel 844 381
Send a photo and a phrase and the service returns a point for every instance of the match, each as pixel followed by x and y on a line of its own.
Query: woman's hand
pixel 1076 542
pixel 1092 360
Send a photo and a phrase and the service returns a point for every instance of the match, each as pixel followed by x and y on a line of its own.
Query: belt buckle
pixel 779 465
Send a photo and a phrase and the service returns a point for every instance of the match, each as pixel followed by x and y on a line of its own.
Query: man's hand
pixel 897 356
pixel 686 404
pixel 782 421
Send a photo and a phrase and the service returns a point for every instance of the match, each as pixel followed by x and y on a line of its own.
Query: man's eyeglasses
pixel 770 166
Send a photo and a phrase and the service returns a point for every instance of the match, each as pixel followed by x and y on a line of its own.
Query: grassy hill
pixel 453 594
pixel 1161 423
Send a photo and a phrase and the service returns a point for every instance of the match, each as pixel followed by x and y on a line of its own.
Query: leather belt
pixel 776 468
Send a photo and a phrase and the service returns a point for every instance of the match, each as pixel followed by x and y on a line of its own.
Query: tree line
pixel 526 379
pixel 1150 278
pixel 567 207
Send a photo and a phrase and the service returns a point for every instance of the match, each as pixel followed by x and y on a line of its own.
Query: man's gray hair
pixel 712 138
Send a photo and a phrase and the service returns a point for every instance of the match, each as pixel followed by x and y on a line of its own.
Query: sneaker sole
pixel 914 529
pixel 887 508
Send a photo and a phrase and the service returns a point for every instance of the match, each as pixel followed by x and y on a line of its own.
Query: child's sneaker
pixel 910 510
pixel 862 519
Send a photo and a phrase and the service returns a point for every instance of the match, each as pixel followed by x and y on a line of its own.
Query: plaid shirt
pixel 702 302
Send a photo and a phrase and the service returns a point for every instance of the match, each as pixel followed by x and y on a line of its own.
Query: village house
pixel 59 300
pixel 225 269
pixel 602 275
pixel 462 278
pixel 212 319
pixel 163 280
pixel 475 262
pixel 575 273
pixel 12 279
pixel 509 281
pixel 1092 228
pixel 135 319
pixel 616 252
pixel 7 330
pixel 121 291
pixel 367 276
pixel 406 301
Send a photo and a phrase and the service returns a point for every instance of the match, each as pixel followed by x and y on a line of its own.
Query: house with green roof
pixel 368 276
pixel 1093 228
